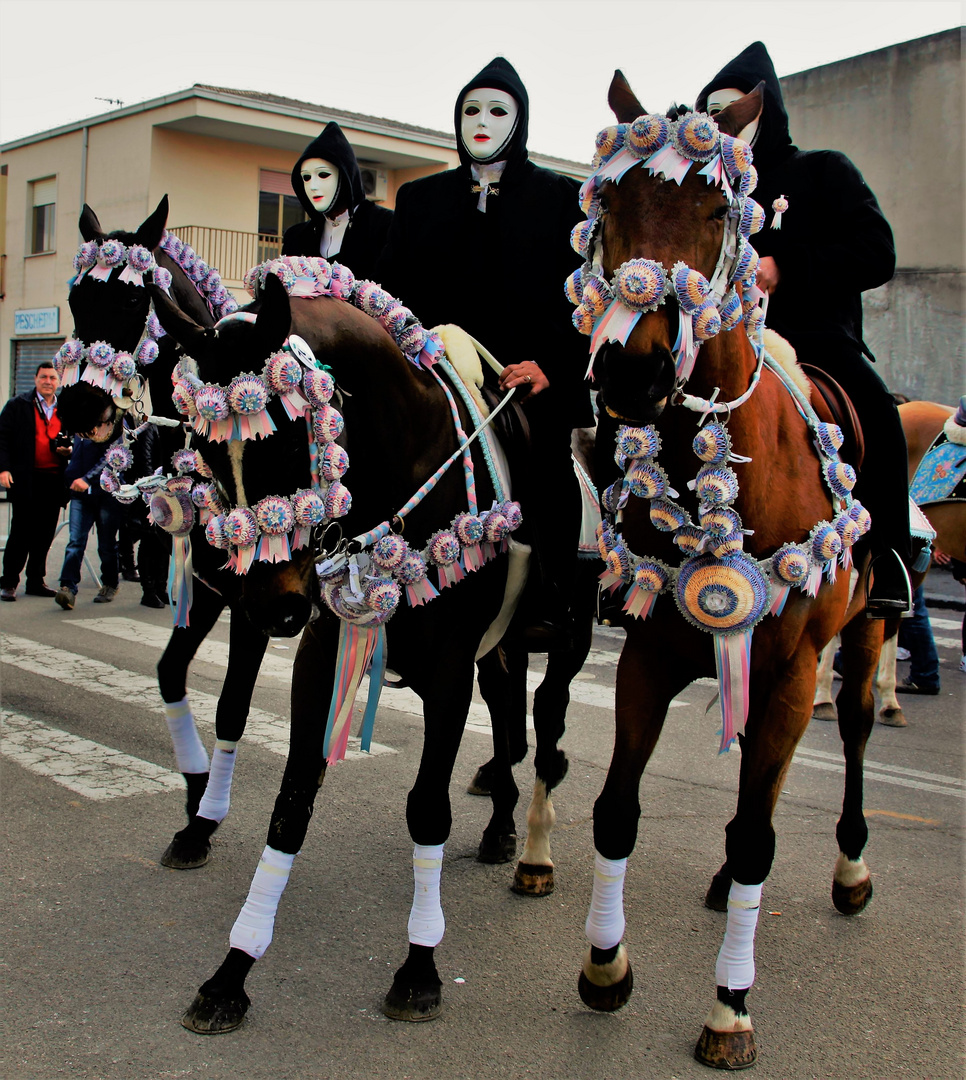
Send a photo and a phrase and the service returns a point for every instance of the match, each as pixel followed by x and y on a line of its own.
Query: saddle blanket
pixel 941 476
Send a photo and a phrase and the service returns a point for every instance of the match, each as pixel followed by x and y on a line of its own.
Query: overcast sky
pixel 407 60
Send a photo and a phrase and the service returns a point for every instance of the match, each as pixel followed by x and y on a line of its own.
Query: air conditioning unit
pixel 375 182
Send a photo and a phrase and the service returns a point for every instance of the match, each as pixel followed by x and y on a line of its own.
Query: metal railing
pixel 230 252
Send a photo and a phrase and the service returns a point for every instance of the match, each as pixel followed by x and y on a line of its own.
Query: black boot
pixel 888 591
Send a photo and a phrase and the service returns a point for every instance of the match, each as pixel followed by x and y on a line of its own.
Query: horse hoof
pixel 606 987
pixel 851 899
pixel 716 897
pixel 480 784
pixel 825 710
pixel 892 718
pixel 497 849
pixel 214 1014
pixel 179 855
pixel 726 1049
pixel 532 880
pixel 413 1003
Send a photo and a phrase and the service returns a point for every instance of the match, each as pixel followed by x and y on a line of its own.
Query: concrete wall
pixel 898 114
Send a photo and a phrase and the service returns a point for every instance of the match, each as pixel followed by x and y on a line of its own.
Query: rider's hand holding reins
pixel 528 375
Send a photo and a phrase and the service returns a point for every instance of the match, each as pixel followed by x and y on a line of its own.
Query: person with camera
pixel 33 456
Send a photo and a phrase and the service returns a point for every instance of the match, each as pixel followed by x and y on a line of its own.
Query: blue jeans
pixel 915 634
pixel 93 507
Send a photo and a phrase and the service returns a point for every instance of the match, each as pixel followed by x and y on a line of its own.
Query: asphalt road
pixel 103 948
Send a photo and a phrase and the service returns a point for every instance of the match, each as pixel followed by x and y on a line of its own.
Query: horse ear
pixel 274 318
pixel 739 114
pixel 151 229
pixel 196 340
pixel 622 99
pixel 90 227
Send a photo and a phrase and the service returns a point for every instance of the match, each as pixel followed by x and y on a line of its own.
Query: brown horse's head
pixel 278 597
pixel 645 216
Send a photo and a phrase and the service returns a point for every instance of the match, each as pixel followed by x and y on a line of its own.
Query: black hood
pixel 500 75
pixel 332 146
pixel 744 73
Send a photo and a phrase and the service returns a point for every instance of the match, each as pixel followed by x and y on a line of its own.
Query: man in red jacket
pixel 33 456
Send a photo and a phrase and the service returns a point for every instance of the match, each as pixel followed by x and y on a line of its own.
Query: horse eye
pixel 720 212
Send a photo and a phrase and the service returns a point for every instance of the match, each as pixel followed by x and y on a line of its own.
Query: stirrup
pixel 883 607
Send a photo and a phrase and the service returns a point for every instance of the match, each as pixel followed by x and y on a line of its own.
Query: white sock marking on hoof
pixel 606 974
pixel 848 873
pixel 723 1018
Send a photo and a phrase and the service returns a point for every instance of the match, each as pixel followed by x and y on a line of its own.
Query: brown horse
pixel 641 220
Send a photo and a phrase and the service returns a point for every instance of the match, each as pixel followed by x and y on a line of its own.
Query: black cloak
pixel 368 223
pixel 500 274
pixel 834 242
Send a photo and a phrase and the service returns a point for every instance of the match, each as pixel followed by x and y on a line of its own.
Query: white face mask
pixel 488 118
pixel 720 99
pixel 321 181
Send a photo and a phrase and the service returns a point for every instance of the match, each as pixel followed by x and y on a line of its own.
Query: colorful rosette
pixel 746 258
pixel 824 542
pixel 667 516
pixel 327 424
pixel 583 319
pixel 730 544
pixel 512 513
pixel 172 511
pixel 574 287
pixel 752 217
pixel 250 280
pixel 689 539
pixel 730 311
pixel 247 394
pixel 111 253
pixel 706 322
pixel 372 298
pixel 496 528
pixel 848 529
pixel 724 596
pixel 389 551
pixel 308 507
pixel 610 498
pixel 382 595
pixel 100 354
pixel 319 386
pixel 184 399
pixel 695 136
pixel 754 322
pixel 779 206
pixel 641 284
pixel 215 532
pixel 840 477
pixel 283 372
pixel 443 548
pixel 748 182
pixel 211 401
pixel 274 515
pixel 720 521
pixel 412 340
pixel 736 155
pixel 690 287
pixel 338 501
pixel 605 538
pixel 173 245
pixel 716 485
pixel 86 256
pixel 343 281
pixel 199 271
pixel 597 295
pixel 712 443
pixel 638 442
pixel 187 258
pixel 791 564
pixel 162 278
pixel 647 134
pixel 119 458
pixel 241 527
pixel 140 258
pixel 860 516
pixel 830 438
pixel 200 467
pixel 610 140
pixel 395 318
pixel 204 496
pixel 647 480
pixel 180 485
pixel 147 352
pixel 411 569
pixel 618 564
pixel 580 237
pixel 468 529
pixel 333 461
pixel 123 366
pixel 651 576
pixel 68 356
pixel 109 482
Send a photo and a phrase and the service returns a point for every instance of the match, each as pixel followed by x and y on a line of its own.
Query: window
pixel 43 201
pixel 278 207
pixel 26 356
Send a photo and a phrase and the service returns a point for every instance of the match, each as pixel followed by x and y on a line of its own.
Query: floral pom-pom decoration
pixel 111 253
pixel 308 507
pixel 333 461
pixel 69 354
pixel 119 458
pixel 123 367
pixel 109 482
pixel 695 136
pixel 638 442
pixel 848 529
pixel 651 576
pixel 162 278
pixel 247 394
pixel 748 182
pixel 211 401
pixel 204 496
pixel 140 258
pixel 382 595
pixel 597 295
pixel 752 217
pixel 641 284
pixel 830 438
pixel 583 319
pixel 343 281
pixel 791 564
pixel 860 516
pixel 274 515
pixel 610 140
pixel 389 551
pixel 690 287
pixel 779 206
pixel 840 477
pixel 86 256
pixel 712 443
pixel 706 322
pixel 283 372
pixel 648 134
pixel 241 527
pixel 618 564
pixel 716 485
pixel 512 513
pixel 736 155
pixel 610 498
pixel 647 480
pixel 411 573
pixel 825 542
pixel 605 538
pixel 100 354
pixel 412 340
pixel 730 311
pixel 319 386
pixel 184 399
pixel 327 424
pixel 667 516
pixel 720 521
pixel 729 544
pixel 147 352
pixel 580 237
pixel 215 532
pixel 689 539
pixel 468 528
pixel 372 298
pixel 574 287
pixel 338 501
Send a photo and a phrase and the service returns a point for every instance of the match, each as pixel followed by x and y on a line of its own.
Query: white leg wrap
pixel 736 960
pixel 605 922
pixel 426 922
pixel 189 750
pixel 252 932
pixel 217 797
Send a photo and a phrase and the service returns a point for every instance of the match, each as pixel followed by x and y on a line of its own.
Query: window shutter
pixel 277 183
pixel 45 191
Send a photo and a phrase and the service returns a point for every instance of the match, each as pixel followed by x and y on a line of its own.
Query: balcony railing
pixel 230 252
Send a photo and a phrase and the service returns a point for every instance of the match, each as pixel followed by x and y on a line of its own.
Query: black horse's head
pixel 278 596
pixel 666 222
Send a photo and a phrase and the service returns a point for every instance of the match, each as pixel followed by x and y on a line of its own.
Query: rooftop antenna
pixel 110 100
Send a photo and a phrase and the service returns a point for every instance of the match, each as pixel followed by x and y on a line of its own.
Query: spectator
pixel 33 455
pixel 915 634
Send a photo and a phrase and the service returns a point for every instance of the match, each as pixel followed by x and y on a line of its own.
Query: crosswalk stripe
pixel 84 767
pixel 886 778
pixel 898 770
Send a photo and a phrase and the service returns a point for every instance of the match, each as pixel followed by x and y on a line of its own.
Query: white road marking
pixel 888 774
pixel 82 766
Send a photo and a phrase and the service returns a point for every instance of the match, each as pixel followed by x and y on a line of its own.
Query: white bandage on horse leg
pixel 736 960
pixel 252 932
pixel 217 797
pixel 605 922
pixel 189 750
pixel 426 922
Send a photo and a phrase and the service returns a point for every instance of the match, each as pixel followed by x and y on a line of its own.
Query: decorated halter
pixel 112 369
pixel 609 310
pixel 718 586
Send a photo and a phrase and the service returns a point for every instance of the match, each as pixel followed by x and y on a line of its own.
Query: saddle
pixel 843 412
